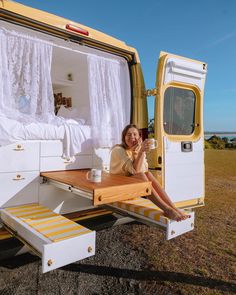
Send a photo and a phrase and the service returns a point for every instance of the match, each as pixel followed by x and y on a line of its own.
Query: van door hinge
pixel 151 92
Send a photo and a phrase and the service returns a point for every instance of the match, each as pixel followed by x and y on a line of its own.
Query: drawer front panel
pixel 58 163
pixel 51 148
pixel 18 188
pixel 20 156
pixel 54 148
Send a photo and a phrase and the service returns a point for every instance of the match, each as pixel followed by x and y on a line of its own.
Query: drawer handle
pixel 18 148
pixel 18 177
pixel 68 162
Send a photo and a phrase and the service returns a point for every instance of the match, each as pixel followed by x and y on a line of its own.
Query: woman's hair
pixel 124 132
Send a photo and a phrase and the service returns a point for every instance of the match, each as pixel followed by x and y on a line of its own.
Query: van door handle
pixel 186 146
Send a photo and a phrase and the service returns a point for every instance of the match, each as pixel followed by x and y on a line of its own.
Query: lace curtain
pixel 26 93
pixel 110 110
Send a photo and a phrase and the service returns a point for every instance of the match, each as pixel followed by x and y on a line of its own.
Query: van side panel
pixel 139 104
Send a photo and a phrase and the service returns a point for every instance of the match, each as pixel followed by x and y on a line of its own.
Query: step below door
pixel 147 212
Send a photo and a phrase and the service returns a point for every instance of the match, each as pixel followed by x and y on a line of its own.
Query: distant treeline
pixel 216 142
pixel 220 132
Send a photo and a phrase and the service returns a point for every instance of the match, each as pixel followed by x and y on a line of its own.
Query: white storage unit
pixel 20 156
pixel 51 158
pixel 58 163
pixel 18 188
pixel 19 173
pixel 51 148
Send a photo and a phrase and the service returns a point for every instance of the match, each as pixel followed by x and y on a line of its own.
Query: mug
pixel 94 175
pixel 152 143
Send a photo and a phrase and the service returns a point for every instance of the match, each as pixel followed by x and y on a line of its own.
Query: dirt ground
pixel 135 259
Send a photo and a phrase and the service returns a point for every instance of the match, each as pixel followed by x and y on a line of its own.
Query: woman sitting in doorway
pixel 129 158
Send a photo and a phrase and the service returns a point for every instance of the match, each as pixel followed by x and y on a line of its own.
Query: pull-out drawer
pixel 54 148
pixel 56 239
pixel 20 156
pixel 51 148
pixel 58 163
pixel 146 211
pixel 18 188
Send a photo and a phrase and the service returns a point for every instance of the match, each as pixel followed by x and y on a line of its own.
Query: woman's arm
pixel 140 155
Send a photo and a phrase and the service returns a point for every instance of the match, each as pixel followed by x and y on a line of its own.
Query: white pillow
pixel 70 113
pixel 64 112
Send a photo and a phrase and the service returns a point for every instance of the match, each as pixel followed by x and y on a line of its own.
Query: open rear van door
pixel 179 160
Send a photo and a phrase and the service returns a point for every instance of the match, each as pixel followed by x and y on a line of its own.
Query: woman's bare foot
pixel 172 214
pixel 182 214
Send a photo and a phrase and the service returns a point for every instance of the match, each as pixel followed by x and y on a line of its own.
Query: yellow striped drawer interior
pixel 51 225
pixel 4 234
pixel 143 207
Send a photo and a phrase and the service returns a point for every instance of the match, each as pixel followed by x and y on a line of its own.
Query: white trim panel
pixel 179 70
pixel 184 171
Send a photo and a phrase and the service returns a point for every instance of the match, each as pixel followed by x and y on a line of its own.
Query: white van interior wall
pixel 70 77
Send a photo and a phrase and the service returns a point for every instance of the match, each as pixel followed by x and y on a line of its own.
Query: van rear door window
pixel 179 111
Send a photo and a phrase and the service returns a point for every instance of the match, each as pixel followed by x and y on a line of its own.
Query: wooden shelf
pixel 58 83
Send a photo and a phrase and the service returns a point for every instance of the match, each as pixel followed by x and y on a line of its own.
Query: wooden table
pixel 112 188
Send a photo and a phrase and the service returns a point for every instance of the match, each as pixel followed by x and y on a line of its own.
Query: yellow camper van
pixel 66 93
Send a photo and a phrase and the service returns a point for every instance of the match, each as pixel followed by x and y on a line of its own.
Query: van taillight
pixel 77 29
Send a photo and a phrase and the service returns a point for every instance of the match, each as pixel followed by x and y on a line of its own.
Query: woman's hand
pixel 141 146
pixel 136 148
pixel 145 146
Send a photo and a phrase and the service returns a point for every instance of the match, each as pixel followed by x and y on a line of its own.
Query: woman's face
pixel 132 137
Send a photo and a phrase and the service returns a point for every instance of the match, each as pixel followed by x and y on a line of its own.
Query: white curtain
pixel 26 93
pixel 110 110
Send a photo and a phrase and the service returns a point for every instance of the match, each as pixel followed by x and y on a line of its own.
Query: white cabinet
pixel 51 158
pixel 51 148
pixel 19 173
pixel 58 163
pixel 20 156
pixel 18 188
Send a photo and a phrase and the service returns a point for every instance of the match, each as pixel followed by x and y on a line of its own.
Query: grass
pixel 202 261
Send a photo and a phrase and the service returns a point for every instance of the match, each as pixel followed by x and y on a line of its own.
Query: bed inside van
pixel 78 98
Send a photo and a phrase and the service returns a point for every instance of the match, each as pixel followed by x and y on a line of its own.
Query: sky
pixel 204 30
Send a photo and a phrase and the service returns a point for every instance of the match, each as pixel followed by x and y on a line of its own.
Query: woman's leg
pixel 162 194
pixel 159 189
pixel 168 210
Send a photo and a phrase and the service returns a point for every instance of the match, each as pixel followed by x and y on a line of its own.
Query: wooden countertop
pixel 112 188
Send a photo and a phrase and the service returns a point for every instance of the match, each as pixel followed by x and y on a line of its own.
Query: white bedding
pixel 76 138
